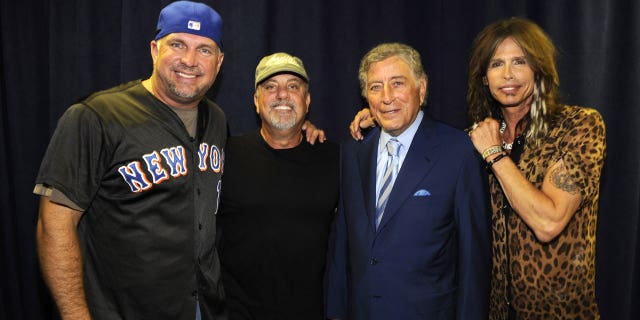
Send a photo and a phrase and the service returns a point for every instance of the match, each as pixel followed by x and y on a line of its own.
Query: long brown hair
pixel 540 54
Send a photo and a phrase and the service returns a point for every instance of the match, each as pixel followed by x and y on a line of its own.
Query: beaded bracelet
pixel 491 151
pixel 496 159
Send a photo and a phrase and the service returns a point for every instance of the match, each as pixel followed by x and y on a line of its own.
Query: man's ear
pixel 255 102
pixel 308 101
pixel 424 83
pixel 220 59
pixel 153 48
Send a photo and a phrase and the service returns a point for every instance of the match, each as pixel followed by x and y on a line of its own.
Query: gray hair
pixel 387 50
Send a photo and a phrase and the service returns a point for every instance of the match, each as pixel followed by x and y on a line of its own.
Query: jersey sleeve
pixel 73 162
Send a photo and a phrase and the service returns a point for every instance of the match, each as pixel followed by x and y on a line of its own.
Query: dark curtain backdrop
pixel 55 52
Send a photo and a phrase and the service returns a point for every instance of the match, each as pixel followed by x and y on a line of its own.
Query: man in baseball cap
pixel 126 228
pixel 181 79
pixel 279 197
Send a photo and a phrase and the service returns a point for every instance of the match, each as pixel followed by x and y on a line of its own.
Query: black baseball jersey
pixel 150 194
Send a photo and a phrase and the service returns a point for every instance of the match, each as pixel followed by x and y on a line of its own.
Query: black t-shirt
pixel 275 212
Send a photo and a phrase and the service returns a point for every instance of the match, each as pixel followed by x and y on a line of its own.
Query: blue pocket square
pixel 422 193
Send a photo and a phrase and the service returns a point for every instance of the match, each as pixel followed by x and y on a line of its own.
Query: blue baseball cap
pixel 190 17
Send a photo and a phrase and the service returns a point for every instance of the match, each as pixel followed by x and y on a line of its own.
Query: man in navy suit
pixel 411 239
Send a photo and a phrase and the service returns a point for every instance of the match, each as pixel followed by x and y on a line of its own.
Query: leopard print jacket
pixel 554 280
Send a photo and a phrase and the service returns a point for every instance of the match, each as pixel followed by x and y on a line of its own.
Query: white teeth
pixel 188 76
pixel 282 108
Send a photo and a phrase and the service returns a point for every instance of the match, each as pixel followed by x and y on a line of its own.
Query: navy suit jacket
pixel 430 257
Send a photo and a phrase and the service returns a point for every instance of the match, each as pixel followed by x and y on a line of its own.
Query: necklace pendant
pixel 505 145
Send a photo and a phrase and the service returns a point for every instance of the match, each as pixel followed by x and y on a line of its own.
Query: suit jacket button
pixel 373 261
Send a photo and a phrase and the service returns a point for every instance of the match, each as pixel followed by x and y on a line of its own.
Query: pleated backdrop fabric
pixel 53 53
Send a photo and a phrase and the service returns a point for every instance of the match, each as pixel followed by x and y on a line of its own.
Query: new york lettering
pixel 157 167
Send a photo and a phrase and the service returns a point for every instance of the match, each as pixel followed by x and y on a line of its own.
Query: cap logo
pixel 282 60
pixel 193 25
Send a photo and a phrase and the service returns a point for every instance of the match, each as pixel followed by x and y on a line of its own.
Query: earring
pixel 485 81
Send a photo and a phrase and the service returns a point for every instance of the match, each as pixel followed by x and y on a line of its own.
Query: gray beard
pixel 282 123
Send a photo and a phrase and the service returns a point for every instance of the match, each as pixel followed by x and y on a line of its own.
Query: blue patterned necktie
pixel 391 170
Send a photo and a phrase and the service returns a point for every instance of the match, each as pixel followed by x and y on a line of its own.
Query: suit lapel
pixel 420 159
pixel 367 157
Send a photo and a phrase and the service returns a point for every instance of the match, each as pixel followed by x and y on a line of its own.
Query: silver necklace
pixel 505 145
